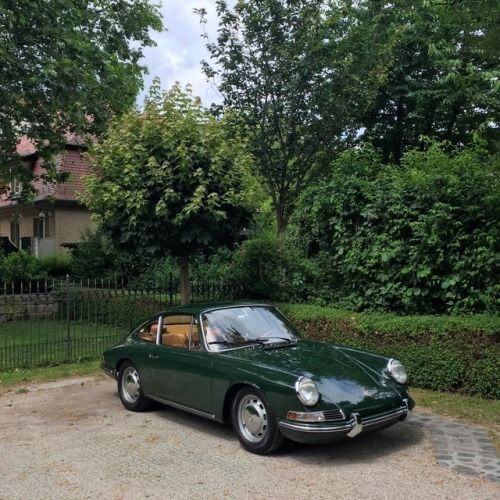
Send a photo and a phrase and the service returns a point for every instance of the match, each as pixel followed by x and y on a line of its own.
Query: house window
pixel 16 186
pixel 15 233
pixel 41 227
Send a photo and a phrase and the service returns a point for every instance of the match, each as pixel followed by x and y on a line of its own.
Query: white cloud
pixel 181 48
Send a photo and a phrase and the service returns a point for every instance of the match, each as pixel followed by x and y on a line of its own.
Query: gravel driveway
pixel 73 439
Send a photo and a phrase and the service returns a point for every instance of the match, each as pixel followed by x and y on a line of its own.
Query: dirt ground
pixel 74 439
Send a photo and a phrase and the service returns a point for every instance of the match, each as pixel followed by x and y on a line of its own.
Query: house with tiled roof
pixel 55 220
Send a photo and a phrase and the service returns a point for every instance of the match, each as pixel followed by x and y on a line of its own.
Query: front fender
pixel 277 385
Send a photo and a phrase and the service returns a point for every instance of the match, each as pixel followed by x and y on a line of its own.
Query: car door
pixel 181 368
pixel 145 338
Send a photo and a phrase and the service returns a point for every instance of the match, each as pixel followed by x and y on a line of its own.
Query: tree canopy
pixel 441 72
pixel 309 78
pixel 67 66
pixel 287 71
pixel 168 180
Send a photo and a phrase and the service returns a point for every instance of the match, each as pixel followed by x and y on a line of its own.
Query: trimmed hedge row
pixel 445 353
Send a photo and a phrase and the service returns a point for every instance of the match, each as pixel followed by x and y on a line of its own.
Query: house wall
pixel 71 224
pixel 66 225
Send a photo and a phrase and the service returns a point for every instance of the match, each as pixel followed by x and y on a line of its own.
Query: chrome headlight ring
pixel 307 391
pixel 397 371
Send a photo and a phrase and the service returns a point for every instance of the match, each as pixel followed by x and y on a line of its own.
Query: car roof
pixel 200 307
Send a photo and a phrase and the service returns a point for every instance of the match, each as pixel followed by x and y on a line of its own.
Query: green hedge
pixel 445 353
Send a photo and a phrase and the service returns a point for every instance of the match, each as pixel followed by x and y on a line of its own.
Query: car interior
pixel 175 332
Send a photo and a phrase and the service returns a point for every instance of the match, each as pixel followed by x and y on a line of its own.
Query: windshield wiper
pixel 223 342
pixel 263 339
pixel 241 342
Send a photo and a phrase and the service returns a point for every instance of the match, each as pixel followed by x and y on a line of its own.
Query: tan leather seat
pixel 154 328
pixel 175 339
pixel 181 329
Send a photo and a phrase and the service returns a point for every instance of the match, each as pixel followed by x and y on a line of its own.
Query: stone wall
pixel 29 306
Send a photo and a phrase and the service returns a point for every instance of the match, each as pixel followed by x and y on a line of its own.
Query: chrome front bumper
pixel 317 433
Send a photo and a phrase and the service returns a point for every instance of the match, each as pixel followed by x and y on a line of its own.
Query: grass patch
pixel 47 373
pixel 472 408
pixel 28 332
pixel 27 343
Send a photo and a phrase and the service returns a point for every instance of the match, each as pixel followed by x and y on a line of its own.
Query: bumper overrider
pixel 326 432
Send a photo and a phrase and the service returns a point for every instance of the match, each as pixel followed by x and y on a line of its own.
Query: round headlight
pixel 307 392
pixel 397 371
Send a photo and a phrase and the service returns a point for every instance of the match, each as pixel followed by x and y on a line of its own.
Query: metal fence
pixel 46 322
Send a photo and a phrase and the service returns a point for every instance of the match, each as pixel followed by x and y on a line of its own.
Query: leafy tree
pixel 441 72
pixel 420 237
pixel 287 71
pixel 67 66
pixel 168 181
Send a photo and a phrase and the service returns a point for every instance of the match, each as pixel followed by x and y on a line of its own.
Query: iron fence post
pixel 170 290
pixel 68 320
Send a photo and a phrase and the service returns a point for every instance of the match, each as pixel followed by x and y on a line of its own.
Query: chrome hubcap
pixel 130 384
pixel 252 418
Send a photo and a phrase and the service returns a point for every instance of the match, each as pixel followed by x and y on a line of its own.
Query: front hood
pixel 341 379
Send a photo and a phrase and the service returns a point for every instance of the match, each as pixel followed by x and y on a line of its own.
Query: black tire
pixel 130 389
pixel 254 422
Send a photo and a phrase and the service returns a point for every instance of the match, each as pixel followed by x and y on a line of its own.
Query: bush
pixel 268 269
pixel 95 258
pixel 416 238
pixel 56 266
pixel 20 266
pixel 446 353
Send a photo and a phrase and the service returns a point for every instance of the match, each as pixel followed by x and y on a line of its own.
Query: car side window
pixel 180 330
pixel 148 331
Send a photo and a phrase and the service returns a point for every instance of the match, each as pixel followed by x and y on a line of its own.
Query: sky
pixel 180 48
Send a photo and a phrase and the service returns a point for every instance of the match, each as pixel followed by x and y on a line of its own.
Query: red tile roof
pixel 72 160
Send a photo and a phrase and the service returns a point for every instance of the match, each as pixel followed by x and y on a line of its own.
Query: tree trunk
pixel 281 223
pixel 185 283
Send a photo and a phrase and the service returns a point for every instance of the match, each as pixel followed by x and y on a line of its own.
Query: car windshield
pixel 247 325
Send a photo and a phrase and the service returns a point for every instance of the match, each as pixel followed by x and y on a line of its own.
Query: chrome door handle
pixel 153 356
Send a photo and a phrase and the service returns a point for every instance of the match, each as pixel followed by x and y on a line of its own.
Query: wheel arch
pixel 120 363
pixel 229 396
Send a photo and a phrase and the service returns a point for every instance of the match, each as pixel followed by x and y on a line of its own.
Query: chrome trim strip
pixel 178 406
pixel 159 330
pixel 347 426
pixel 369 421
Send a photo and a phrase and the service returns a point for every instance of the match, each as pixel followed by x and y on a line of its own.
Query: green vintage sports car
pixel 245 363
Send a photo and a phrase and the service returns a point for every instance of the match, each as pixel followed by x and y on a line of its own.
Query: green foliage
pixel 95 258
pixel 423 237
pixel 56 266
pixel 443 353
pixel 167 180
pixel 294 73
pixel 63 62
pixel 269 269
pixel 440 73
pixel 20 266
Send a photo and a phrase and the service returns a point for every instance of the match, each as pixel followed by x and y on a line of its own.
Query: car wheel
pixel 130 390
pixel 254 422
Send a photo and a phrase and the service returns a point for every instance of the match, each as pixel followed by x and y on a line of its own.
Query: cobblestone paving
pixel 467 449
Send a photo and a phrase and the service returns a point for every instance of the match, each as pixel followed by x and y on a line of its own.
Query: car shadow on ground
pixel 364 448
